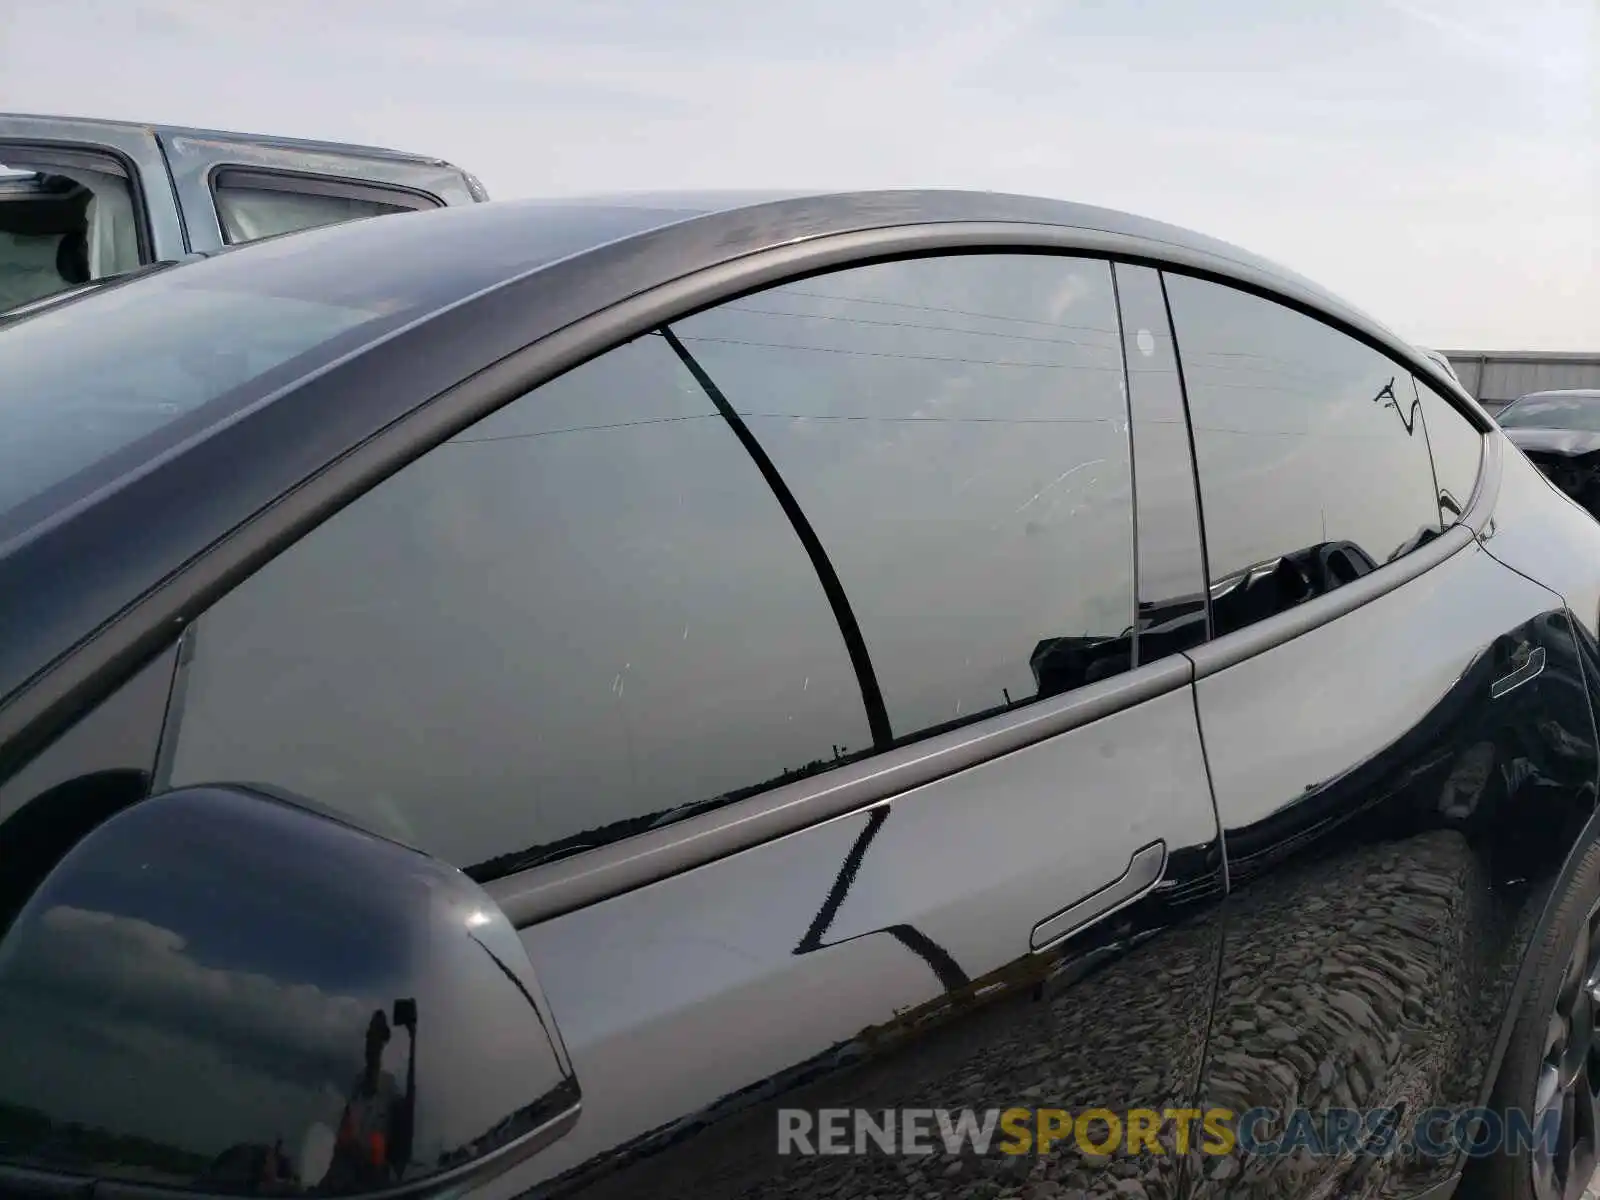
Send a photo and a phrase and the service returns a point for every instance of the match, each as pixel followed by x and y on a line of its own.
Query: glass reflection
pixel 1457 449
pixel 1303 436
pixel 955 431
pixel 581 617
pixel 217 990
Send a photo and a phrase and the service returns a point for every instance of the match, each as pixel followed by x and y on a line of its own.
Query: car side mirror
pixel 222 992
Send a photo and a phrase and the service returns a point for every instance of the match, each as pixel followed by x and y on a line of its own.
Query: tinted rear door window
pixel 955 431
pixel 1313 461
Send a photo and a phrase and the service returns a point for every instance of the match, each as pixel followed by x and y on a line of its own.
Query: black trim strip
pixel 849 629
pixel 177 196
pixel 1194 458
pixel 1135 637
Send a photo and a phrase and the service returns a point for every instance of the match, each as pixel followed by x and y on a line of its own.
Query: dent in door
pixel 882 960
pixel 1393 822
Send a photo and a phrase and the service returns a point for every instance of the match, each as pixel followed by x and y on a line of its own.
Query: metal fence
pixel 1497 377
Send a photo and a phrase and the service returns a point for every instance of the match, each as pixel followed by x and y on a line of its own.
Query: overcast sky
pixel 1435 161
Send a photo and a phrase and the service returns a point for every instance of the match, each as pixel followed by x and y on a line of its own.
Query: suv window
pixel 66 218
pixel 1457 449
pixel 259 204
pixel 590 614
pixel 955 431
pixel 562 626
pixel 1314 466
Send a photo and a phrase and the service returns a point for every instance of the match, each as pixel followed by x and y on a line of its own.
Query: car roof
pixel 797 208
pixel 468 243
pixel 707 228
pixel 793 212
pixel 471 249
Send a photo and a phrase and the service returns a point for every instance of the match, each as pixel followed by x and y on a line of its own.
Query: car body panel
pixel 978 919
pixel 834 955
pixel 1546 541
pixel 1432 802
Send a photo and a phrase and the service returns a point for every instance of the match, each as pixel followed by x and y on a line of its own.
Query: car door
pixel 1400 746
pixel 783 674
pixel 236 188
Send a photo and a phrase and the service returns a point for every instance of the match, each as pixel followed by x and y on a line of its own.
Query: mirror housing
pixel 223 992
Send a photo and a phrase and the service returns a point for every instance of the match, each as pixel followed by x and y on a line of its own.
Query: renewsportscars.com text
pixel 1101 1132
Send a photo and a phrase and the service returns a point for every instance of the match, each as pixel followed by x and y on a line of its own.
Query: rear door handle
pixel 1144 871
pixel 1530 669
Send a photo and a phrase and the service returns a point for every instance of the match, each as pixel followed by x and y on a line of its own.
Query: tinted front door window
pixel 955 431
pixel 551 631
pixel 1313 461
